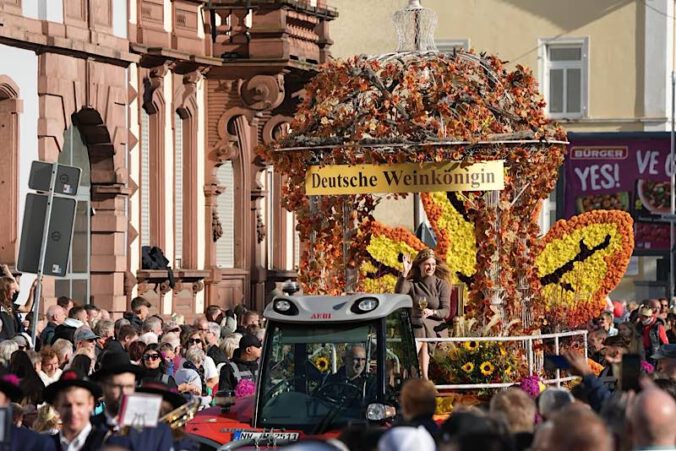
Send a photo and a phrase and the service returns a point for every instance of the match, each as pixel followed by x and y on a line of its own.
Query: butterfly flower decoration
pixel 577 263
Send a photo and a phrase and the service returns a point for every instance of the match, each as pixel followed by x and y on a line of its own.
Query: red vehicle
pixel 327 361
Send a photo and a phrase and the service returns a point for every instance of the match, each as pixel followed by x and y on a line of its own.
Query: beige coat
pixel 438 294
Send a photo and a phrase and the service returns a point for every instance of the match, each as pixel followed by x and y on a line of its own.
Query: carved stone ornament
pixel 143 287
pixel 261 230
pixel 153 86
pixel 164 287
pixel 197 286
pixel 216 226
pixel 263 92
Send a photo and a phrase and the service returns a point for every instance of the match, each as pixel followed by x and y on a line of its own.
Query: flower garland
pixel 582 260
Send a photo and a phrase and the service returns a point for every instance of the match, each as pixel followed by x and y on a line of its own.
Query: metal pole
pixel 672 233
pixel 417 214
pixel 43 250
pixel 557 351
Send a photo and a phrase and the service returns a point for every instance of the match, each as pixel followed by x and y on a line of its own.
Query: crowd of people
pixel 596 413
pixel 66 387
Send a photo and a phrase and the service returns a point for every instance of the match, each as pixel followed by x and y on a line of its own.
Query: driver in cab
pixel 351 381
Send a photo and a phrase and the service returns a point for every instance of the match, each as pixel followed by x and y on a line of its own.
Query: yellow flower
pixel 322 364
pixel 468 367
pixel 471 346
pixel 487 368
pixel 503 351
pixel 508 371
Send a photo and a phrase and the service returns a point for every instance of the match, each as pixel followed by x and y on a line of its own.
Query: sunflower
pixel 503 351
pixel 471 346
pixel 322 364
pixel 508 371
pixel 487 368
pixel 468 367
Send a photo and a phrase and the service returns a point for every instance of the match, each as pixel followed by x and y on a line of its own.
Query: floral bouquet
pixel 245 388
pixel 475 362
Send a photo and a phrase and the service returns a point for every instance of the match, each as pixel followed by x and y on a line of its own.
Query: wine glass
pixel 422 303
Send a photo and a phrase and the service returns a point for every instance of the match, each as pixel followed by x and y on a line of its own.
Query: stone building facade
pixel 161 103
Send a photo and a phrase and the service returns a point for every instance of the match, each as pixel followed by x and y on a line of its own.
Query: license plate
pixel 258 435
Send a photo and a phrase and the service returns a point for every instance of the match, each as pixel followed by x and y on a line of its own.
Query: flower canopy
pixel 422 107
pixel 431 101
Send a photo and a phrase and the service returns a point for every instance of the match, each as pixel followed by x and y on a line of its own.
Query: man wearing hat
pixel 244 365
pixel 74 397
pixel 85 338
pixel 117 377
pixel 21 438
pixel 666 362
pixel 171 400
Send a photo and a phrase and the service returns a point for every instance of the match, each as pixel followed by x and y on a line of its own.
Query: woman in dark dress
pixel 426 281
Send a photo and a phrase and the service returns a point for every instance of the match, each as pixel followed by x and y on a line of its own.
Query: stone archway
pixel 108 208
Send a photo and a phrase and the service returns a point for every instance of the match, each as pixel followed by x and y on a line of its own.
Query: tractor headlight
pixel 365 305
pixel 284 307
pixel 380 412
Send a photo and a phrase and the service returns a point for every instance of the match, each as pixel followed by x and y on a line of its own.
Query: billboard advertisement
pixel 623 171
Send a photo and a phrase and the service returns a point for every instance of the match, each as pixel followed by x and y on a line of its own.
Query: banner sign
pixel 623 173
pixel 404 178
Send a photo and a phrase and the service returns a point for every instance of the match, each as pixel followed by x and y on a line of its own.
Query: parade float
pixel 471 136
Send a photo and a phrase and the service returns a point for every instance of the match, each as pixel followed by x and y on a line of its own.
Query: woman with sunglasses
pixel 192 338
pixel 155 367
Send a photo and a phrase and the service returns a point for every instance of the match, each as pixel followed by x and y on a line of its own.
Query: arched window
pixel 76 283
pixel 10 107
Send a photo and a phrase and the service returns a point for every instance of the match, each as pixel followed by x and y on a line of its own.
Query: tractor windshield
pixel 318 376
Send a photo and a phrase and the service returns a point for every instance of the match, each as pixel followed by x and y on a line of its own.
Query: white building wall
pixel 659 39
pixel 22 67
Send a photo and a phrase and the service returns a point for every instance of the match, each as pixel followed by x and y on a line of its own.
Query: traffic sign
pixel 67 178
pixel 58 237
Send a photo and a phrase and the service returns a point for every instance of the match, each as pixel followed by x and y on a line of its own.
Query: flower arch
pixel 423 107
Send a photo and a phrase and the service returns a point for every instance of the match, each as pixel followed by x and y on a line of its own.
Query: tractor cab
pixel 327 361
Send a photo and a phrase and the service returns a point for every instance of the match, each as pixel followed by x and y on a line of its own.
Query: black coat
pixel 24 439
pixel 94 440
pixel 10 325
pixel 147 439
pixel 64 331
pixel 228 380
pixel 48 333
pixel 216 354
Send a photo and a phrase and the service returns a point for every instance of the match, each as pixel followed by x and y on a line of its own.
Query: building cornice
pixel 39 36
